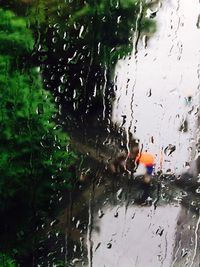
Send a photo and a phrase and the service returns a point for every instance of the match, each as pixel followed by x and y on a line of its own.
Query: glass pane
pixel 99 140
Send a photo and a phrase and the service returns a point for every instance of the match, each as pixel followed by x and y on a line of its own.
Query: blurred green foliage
pixel 108 25
pixel 34 158
pixel 82 42
pixel 77 45
pixel 6 261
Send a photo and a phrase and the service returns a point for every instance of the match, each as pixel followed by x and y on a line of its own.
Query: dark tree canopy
pixel 34 159
pixel 78 44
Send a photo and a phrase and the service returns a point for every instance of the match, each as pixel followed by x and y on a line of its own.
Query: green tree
pixel 34 154
pixel 79 43
pixel 82 44
pixel 6 261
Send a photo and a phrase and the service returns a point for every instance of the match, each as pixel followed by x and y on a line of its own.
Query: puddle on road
pixel 122 233
pixel 139 236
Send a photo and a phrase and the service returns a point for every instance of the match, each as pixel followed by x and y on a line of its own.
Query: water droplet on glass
pixel 197 190
pixel 100 213
pixel 116 214
pixel 169 149
pixel 149 93
pixel 81 31
pixel 198 22
pixel 119 193
pixel 109 245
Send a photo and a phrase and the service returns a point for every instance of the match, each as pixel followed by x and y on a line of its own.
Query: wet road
pixel 121 232
pixel 139 235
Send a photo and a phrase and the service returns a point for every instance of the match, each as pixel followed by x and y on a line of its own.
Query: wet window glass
pixel 99 133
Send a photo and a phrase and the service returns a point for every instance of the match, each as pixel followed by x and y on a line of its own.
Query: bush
pixel 34 158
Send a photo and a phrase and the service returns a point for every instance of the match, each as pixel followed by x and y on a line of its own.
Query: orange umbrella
pixel 145 158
